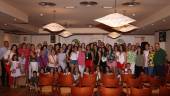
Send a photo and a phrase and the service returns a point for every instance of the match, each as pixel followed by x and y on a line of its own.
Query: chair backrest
pixel 164 91
pixel 65 80
pixel 82 91
pixel 125 77
pixel 132 82
pixel 141 92
pixel 88 80
pixel 109 82
pixel 110 91
pixel 46 80
pixel 144 78
pixel 168 78
pixel 103 76
pixel 155 82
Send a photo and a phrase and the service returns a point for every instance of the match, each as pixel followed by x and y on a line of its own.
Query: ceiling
pixel 150 15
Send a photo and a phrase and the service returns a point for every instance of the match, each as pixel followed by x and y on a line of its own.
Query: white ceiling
pixel 82 16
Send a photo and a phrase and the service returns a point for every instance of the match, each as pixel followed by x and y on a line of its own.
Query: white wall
pixel 12 38
pixel 167 44
pixel 89 38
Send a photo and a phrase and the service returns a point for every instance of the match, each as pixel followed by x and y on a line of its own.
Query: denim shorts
pixel 73 61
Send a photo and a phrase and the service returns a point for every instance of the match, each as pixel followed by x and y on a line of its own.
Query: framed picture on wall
pixel 52 38
pixel 162 36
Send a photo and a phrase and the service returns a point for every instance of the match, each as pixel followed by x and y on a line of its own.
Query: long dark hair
pixel 141 51
pixel 14 45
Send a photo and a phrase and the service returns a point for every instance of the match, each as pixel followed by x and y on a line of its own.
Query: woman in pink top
pixel 81 60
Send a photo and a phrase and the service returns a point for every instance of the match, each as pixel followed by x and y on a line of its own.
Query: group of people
pixel 25 59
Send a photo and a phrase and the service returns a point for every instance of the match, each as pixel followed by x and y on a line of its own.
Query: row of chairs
pixel 109 85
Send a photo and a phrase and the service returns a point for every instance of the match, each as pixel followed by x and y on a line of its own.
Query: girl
pixel 62 59
pixel 8 59
pixel 89 58
pixel 139 62
pixel 146 54
pixel 150 61
pixel 73 58
pixel 121 59
pixel 131 56
pixel 15 69
pixel 22 61
pixel 111 59
pixel 103 59
pixel 66 71
pixel 98 72
pixel 76 75
pixel 87 71
pixel 81 61
pixel 52 61
pixel 96 56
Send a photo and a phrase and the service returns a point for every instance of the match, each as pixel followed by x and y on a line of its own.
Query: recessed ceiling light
pixel 164 20
pixel 41 14
pixel 133 14
pixel 107 7
pixel 131 3
pixel 70 7
pixel 51 4
pixel 15 19
pixel 152 24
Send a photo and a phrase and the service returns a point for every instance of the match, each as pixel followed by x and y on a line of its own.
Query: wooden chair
pixel 46 84
pixel 141 92
pixel 164 91
pixel 88 81
pixel 103 76
pixel 154 82
pixel 125 77
pixel 133 83
pixel 81 91
pixel 109 82
pixel 168 80
pixel 145 79
pixel 110 91
pixel 64 82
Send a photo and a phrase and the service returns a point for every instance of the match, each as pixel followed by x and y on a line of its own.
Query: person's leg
pixel 137 71
pixel 3 76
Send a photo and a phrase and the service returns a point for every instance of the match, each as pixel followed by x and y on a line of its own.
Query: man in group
pixel 3 51
pixel 159 61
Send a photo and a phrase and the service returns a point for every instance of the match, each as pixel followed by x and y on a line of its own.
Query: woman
pixel 139 62
pixel 52 61
pixel 73 58
pixel 150 61
pixel 8 59
pixel 111 59
pixel 83 46
pixel 103 59
pixel 131 57
pixel 96 56
pixel 24 54
pixel 89 58
pixel 146 54
pixel 81 61
pixel 121 58
pixel 62 59
pixel 43 59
